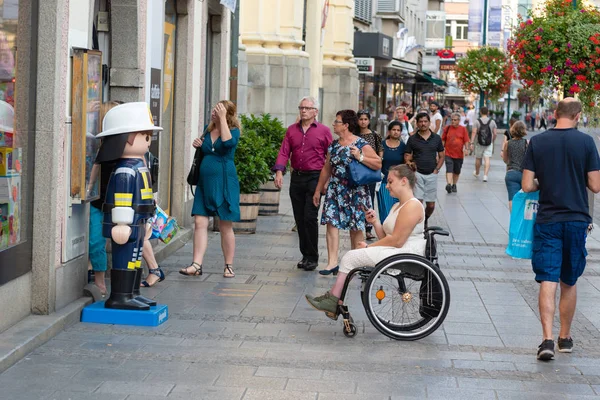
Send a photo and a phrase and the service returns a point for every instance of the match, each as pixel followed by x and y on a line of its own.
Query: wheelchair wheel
pixel 406 297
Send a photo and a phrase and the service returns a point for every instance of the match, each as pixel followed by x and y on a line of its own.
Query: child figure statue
pixel 129 203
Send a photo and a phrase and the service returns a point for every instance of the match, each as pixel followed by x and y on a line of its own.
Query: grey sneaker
pixel 546 350
pixel 327 303
pixel 565 345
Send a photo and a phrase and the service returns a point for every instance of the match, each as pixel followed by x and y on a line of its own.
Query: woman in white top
pixel 401 232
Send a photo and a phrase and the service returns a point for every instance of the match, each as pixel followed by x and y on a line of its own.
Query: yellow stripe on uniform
pixel 123 199
pixel 145 181
pixel 131 265
pixel 146 194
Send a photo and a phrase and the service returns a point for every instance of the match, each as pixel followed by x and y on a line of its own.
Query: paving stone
pixel 149 388
pixel 193 392
pixel 321 386
pixel 259 382
pixel 256 394
pixel 460 394
pixel 68 395
pixel 296 373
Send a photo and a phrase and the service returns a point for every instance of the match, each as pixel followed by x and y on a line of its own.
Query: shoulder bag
pixel 194 174
pixel 359 174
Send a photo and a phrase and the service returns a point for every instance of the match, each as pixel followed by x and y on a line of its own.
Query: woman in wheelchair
pixel 401 232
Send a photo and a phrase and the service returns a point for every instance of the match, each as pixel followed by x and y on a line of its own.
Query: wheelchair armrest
pixel 440 232
pixel 433 228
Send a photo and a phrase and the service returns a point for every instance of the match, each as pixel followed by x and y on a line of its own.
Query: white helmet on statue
pixel 128 118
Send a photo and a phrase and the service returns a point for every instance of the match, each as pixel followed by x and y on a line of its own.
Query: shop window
pixel 13 141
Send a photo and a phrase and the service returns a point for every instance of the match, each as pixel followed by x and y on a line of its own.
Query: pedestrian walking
pixel 306 143
pixel 436 118
pixel 405 123
pixel 513 153
pixel 561 163
pixel 456 142
pixel 391 155
pixel 543 121
pixel 402 232
pixel 218 189
pixel 425 152
pixel 344 206
pixel 482 140
pixel 374 140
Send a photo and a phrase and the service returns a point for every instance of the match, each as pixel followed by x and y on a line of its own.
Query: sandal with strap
pixel 197 272
pixel 228 271
pixel 157 272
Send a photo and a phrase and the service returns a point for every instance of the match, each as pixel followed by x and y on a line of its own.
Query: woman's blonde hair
pixel 404 171
pixel 518 129
pixel 232 121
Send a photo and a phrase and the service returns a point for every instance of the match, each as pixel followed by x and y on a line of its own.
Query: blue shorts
pixel 559 251
pixel 97 242
pixel 513 183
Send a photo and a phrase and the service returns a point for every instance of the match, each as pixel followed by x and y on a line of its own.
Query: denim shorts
pixel 513 183
pixel 453 165
pixel 559 251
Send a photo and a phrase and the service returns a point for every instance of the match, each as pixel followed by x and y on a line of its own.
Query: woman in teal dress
pixel 392 154
pixel 218 189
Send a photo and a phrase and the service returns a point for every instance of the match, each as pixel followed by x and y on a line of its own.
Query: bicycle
pixel 398 287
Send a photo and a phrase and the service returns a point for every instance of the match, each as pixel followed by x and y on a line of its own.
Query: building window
pixel 363 10
pixel 449 28
pixel 462 30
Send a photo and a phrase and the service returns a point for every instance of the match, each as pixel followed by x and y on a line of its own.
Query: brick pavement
pixel 254 337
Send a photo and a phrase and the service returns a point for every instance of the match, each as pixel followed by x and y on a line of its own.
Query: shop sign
pixel 436 30
pixel 431 64
pixel 365 65
pixel 448 64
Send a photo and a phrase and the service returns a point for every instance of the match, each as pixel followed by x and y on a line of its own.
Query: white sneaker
pixel 475 174
pixel 485 178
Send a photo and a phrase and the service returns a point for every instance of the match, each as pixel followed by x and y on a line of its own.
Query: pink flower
pixel 529 22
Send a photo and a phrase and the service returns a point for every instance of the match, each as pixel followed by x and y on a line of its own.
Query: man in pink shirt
pixel 306 142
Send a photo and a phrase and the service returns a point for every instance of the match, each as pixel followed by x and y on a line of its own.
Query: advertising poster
pixel 475 22
pixel 155 96
pixel 494 36
pixel 94 99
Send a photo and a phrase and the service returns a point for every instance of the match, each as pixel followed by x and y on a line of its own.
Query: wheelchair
pixel 406 296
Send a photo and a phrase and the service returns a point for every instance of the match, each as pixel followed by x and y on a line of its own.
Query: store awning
pixel 425 77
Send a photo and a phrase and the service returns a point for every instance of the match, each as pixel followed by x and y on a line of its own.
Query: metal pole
pixel 508 107
pixel 484 42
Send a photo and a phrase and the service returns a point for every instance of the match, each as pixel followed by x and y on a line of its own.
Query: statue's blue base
pixel 96 313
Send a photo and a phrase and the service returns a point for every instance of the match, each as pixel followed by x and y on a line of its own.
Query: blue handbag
pixel 359 174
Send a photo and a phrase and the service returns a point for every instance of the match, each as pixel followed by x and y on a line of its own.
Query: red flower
pixel 550 42
pixel 575 88
pixel 581 78
pixel 556 50
pixel 537 56
pixel 537 38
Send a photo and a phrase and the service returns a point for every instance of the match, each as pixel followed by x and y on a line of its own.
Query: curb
pixel 35 330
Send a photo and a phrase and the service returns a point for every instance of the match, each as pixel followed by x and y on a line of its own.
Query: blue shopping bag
pixel 522 219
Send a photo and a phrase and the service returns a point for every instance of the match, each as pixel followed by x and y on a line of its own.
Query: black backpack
pixel 484 133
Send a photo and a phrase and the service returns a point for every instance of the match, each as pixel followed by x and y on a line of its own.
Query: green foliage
pixel 269 128
pixel 516 115
pixel 250 161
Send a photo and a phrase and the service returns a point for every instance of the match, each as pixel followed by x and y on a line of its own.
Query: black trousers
pixel 302 189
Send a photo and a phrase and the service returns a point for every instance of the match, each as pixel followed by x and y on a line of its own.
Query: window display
pixel 11 142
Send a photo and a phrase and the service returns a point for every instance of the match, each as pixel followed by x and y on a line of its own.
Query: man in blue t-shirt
pixel 565 162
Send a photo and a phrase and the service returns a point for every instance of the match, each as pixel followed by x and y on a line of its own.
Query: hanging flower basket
pixel 487 70
pixel 559 49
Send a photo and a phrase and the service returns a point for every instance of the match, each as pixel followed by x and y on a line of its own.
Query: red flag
pixel 325 13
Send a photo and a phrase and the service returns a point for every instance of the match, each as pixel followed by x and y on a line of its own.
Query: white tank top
pixel 390 221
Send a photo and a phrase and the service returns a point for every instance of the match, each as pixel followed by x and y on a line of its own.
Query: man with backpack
pixel 482 140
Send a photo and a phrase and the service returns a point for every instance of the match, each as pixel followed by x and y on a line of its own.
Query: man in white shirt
pixel 407 128
pixel 436 118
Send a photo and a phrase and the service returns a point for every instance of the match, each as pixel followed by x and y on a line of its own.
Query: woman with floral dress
pixel 344 206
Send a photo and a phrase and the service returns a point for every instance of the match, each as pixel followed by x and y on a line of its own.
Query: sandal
pixel 197 272
pixel 157 272
pixel 228 272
